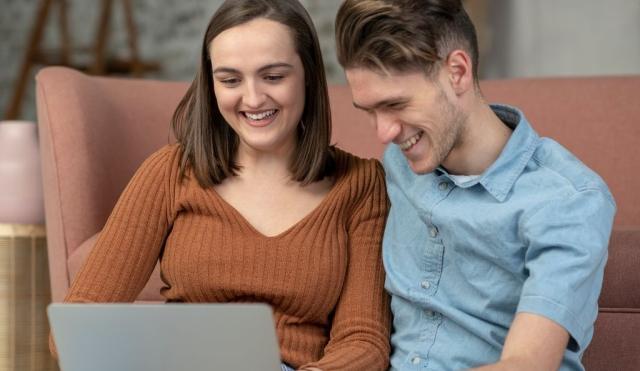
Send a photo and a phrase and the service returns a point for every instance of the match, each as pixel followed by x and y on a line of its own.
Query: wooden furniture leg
pixel 15 104
pixel 102 37
pixel 136 65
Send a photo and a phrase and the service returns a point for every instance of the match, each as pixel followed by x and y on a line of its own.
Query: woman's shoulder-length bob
pixel 208 145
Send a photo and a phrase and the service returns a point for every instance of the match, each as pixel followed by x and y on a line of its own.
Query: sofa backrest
pixel 596 118
pixel 95 132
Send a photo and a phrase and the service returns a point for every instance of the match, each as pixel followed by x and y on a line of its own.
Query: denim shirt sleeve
pixel 567 242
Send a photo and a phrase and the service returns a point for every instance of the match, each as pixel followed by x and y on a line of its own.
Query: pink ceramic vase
pixel 21 200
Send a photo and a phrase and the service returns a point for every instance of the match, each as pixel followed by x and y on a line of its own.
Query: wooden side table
pixel 24 294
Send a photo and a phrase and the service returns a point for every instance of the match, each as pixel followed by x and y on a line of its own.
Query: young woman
pixel 252 204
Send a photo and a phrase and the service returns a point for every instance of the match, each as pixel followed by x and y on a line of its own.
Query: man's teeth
pixel 411 141
pixel 261 115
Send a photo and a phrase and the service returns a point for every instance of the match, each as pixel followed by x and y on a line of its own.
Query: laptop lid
pixel 146 337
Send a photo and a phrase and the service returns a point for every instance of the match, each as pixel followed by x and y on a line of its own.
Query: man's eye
pixel 395 106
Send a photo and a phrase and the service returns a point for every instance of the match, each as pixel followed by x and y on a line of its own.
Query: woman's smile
pixel 260 118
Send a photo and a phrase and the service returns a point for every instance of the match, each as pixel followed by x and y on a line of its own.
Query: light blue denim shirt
pixel 529 235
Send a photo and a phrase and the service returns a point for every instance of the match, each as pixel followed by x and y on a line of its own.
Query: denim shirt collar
pixel 499 178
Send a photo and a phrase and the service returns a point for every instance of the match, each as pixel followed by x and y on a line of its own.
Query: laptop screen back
pixel 145 337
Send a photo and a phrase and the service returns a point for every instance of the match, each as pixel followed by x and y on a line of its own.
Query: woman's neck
pixel 257 164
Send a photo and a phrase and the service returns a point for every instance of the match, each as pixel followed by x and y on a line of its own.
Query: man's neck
pixel 483 140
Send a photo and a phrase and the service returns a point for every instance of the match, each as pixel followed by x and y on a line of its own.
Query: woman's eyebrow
pixel 269 66
pixel 275 65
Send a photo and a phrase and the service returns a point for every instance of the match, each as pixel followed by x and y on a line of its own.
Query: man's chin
pixel 421 167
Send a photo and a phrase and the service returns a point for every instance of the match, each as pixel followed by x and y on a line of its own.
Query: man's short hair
pixel 403 35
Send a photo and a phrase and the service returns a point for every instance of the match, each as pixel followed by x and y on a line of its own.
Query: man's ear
pixel 459 68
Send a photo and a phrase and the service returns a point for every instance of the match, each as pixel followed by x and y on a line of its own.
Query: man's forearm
pixel 533 343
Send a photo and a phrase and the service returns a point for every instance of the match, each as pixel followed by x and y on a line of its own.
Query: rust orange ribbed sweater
pixel 323 276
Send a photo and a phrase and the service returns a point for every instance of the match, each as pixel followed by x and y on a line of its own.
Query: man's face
pixel 412 111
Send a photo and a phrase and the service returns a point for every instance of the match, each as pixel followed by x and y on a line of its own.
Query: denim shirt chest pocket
pixel 485 232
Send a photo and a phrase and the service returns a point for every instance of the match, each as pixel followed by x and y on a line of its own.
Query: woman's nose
pixel 253 95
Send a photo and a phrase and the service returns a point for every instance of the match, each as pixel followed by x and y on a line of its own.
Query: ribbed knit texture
pixel 323 276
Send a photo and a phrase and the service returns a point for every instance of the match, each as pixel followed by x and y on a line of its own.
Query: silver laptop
pixel 146 337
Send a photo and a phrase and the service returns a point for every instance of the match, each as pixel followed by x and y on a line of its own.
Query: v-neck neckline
pixel 339 177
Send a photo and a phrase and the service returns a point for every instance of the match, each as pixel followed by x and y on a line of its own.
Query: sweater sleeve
pixel 359 338
pixel 128 248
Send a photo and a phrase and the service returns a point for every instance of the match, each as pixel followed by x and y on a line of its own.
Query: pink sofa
pixel 95 132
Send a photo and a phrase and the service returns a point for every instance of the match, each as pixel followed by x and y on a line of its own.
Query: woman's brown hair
pixel 209 145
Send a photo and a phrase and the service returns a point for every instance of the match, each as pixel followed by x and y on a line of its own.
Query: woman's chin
pixel 264 145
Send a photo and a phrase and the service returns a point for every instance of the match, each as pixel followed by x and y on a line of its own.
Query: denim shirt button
pixel 416 360
pixel 433 232
pixel 443 186
pixel 425 284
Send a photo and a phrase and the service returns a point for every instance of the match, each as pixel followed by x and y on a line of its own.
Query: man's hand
pixel 504 365
pixel 533 343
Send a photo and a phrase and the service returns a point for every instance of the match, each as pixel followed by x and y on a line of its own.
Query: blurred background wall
pixel 531 38
pixel 519 38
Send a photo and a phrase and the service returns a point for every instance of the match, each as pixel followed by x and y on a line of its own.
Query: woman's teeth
pixel 411 141
pixel 261 115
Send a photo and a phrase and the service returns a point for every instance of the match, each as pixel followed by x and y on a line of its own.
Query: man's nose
pixel 387 128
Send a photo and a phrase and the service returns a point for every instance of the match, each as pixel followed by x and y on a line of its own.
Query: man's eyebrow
pixel 382 103
pixel 261 69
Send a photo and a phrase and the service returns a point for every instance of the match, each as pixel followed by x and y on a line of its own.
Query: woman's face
pixel 258 80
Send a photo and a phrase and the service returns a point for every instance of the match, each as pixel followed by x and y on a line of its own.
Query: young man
pixel 497 238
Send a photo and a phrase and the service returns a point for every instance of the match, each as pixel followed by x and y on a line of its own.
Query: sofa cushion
pixel 614 345
pixel 621 281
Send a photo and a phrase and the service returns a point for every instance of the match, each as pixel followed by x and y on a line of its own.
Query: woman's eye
pixel 230 81
pixel 273 77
